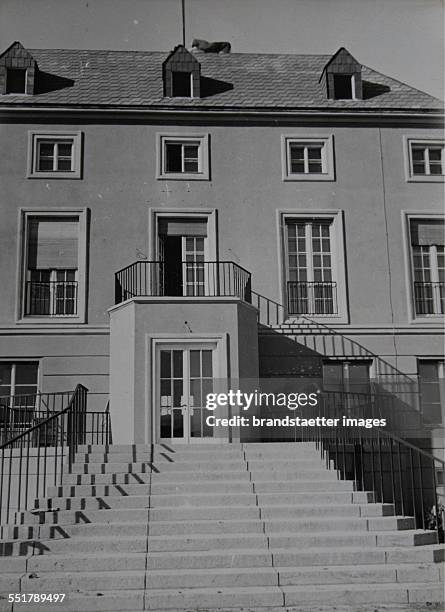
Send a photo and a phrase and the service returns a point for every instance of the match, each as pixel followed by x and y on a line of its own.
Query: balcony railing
pixel 51 298
pixel 429 298
pixel 312 298
pixel 188 279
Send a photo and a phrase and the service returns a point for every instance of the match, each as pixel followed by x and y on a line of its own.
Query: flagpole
pixel 183 22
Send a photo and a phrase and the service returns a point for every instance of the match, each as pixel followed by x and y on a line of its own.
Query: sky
pixel 401 38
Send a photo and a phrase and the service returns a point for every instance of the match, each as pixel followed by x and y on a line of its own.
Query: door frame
pixel 155 214
pixel 221 376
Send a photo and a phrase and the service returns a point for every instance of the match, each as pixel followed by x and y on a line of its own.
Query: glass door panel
pixel 185 378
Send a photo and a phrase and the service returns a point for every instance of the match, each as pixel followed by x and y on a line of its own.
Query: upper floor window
pixel 182 85
pixel 314 265
pixel 16 81
pixel 307 158
pixel 428 266
pixel 425 160
pixel 54 266
pixel 182 157
pixel 54 155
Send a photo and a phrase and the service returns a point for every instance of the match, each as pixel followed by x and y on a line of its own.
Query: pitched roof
pixel 126 79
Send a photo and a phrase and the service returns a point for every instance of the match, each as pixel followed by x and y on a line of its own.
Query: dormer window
pixel 344 87
pixel 181 74
pixel 16 81
pixel 182 85
pixel 18 71
pixel 342 77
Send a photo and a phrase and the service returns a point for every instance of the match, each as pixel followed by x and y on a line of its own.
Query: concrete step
pixel 338 538
pixel 109 478
pixel 93 503
pixel 314 497
pixel 333 523
pixel 157 466
pixel 402 593
pixel 71 517
pixel 175 500
pixel 206 527
pixel 333 510
pixel 306 472
pixel 154 561
pixel 278 486
pixel 201 488
pixel 172 475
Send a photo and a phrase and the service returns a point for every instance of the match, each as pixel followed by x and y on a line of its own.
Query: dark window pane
pixel 435 168
pixel 314 153
pixel 173 157
pixel 191 165
pixel 342 86
pixel 45 164
pixel 297 167
pixel 296 153
pixel 64 165
pixel 165 364
pixel 418 154
pixel 181 84
pixel 207 363
pixel 418 168
pixel 195 364
pixel 315 167
pixel 26 373
pixel 65 149
pixel 177 364
pixel 5 373
pixel 191 152
pixel 15 80
pixel 435 154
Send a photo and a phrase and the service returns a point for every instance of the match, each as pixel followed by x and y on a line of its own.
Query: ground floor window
pixel 18 388
pixel 432 390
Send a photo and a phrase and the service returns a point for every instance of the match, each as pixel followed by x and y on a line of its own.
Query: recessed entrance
pixel 184 376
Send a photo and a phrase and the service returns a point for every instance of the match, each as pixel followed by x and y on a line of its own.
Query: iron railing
pixel 40 456
pixel 20 412
pixel 393 469
pixel 51 298
pixel 270 313
pixel 429 298
pixel 315 298
pixel 188 279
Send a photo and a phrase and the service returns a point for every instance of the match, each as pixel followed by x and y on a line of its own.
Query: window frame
pixel 441 382
pixel 201 140
pixel 407 217
pixel 35 137
pixel 338 260
pixel 408 143
pixel 327 157
pixel 22 272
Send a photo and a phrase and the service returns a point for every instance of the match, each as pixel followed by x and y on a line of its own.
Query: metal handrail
pixel 37 457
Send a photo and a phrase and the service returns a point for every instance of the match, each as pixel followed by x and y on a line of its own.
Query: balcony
pixel 51 298
pixel 186 279
pixel 429 298
pixel 312 298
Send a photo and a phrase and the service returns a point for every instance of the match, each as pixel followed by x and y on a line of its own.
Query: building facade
pixel 175 221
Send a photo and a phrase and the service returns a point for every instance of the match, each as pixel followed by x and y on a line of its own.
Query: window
pixel 344 87
pixel 314 273
pixel 432 390
pixel 182 157
pixel 18 388
pixel 15 81
pixel 54 266
pixel 182 85
pixel 425 160
pixel 348 376
pixel 310 284
pixel 54 155
pixel 427 238
pixel 307 158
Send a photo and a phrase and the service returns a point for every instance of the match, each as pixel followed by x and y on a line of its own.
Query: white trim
pixel 327 153
pixel 24 214
pixel 202 140
pixel 152 342
pixel 406 217
pixel 337 254
pixel 34 136
pixel 408 141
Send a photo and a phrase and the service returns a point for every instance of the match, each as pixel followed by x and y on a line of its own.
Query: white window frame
pixel 337 254
pixel 36 136
pixel 327 157
pixel 407 217
pixel 201 140
pixel 24 215
pixel 408 143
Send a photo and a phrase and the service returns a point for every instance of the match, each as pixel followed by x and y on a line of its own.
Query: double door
pixel 184 377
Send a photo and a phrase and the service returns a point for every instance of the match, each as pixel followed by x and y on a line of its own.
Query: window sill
pixel 433 319
pixel 50 320
pixel 54 175
pixel 308 177
pixel 183 177
pixel 426 178
pixel 322 319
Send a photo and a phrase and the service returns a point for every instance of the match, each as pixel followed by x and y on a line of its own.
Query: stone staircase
pixel 207 527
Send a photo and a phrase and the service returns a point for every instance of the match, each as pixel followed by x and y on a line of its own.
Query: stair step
pixel 315 497
pixel 277 486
